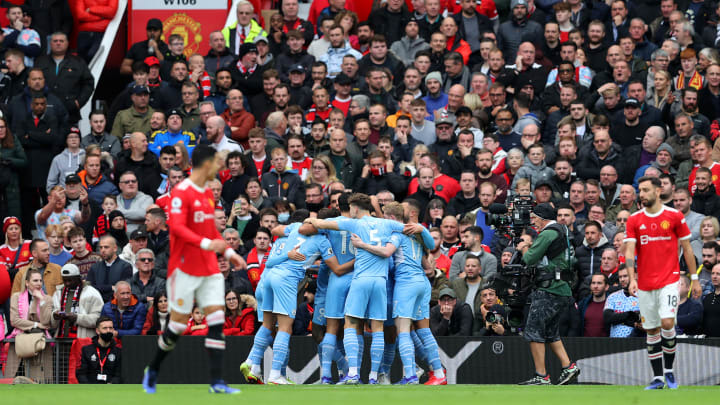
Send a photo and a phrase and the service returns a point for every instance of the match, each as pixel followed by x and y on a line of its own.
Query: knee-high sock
pixel 340 361
pixel 431 348
pixel 215 344
pixel 407 353
pixel 327 348
pixel 388 357
pixel 420 351
pixel 655 355
pixel 166 342
pixel 280 353
pixel 668 348
pixel 263 339
pixel 361 349
pixel 350 341
pixel 376 353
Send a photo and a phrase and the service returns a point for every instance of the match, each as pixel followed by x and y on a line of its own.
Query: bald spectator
pixel 216 136
pixel 640 155
pixel 103 275
pixel 219 55
pixel 142 162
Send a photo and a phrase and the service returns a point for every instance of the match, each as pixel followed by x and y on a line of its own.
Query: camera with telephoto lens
pixel 493 317
pixel 515 281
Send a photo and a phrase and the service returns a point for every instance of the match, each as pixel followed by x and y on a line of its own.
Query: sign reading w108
pixel 180 4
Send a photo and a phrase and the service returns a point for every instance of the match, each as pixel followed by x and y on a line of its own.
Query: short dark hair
pixel 168 150
pixel 343 201
pixel 476 230
pixel 102 319
pixel 653 180
pixel 595 224
pixel 201 154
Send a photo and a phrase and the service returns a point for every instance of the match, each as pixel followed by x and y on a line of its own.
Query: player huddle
pixel 372 271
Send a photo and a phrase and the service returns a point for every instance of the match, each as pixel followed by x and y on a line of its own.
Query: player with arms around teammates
pixel 367 296
pixel 279 295
pixel 653 234
pixel 411 294
pixel 193 273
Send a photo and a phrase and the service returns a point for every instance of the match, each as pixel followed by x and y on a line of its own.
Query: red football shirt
pixel 656 240
pixel 192 219
pixel 715 169
pixel 7 255
pixel 445 186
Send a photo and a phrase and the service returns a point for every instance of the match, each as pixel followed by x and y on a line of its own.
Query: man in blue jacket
pixel 127 313
pixel 173 134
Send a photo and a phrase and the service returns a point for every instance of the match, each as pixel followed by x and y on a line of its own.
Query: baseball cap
pixel 297 68
pixel 444 119
pixel 138 234
pixel 543 182
pixel 545 211
pixel 262 38
pixel 70 270
pixel 140 90
pixel 632 102
pixel 154 23
pixel 72 179
pixel 463 110
pixel 515 3
pixel 246 48
pixel 152 61
pixel 174 112
pixel 447 292
pixel 343 79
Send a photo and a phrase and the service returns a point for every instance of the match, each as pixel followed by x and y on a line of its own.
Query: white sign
pixel 180 5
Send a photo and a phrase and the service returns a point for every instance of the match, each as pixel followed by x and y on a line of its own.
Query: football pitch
pixel 351 395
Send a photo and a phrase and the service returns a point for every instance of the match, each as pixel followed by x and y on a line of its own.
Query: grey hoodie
pixel 533 172
pixel 406 48
pixel 63 164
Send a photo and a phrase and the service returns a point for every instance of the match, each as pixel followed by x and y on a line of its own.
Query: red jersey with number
pixel 715 169
pixel 7 255
pixel 192 219
pixel 656 238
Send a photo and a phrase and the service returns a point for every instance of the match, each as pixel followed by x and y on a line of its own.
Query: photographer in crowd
pixel 552 253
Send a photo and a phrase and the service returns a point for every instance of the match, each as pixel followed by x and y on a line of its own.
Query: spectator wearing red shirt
pixel 240 314
pixel 197 325
pixel 258 255
pixel 445 186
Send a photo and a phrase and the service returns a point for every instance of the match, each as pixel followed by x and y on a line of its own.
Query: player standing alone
pixel 658 229
pixel 193 273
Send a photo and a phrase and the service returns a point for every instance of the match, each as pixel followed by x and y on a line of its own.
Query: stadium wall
pixel 504 360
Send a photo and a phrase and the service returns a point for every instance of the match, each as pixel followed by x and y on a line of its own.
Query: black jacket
pixel 19 106
pixel 287 60
pixel 90 367
pixel 73 82
pixel 706 202
pixel 392 182
pixel 484 24
pixel 350 171
pixel 390 24
pixel 461 205
pixel 460 323
pixel 143 291
pixel 41 144
pixel 588 259
pixel 444 150
pixel 146 170
pixel 249 83
pixel 103 278
pixel 590 163
pixel 285 186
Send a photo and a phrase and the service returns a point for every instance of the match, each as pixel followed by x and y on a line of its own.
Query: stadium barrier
pixel 492 360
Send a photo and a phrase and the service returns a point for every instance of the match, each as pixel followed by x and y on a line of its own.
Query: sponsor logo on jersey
pixel 645 239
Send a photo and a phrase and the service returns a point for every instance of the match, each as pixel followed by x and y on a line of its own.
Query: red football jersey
pixel 715 169
pixel 445 186
pixel 656 240
pixel 192 219
pixel 7 255
pixel 302 166
pixel 164 202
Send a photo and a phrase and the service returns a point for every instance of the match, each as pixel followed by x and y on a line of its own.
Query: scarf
pixel 696 81
pixel 205 83
pixel 295 26
pixel 256 266
pixel 24 312
pixel 245 70
pixel 70 305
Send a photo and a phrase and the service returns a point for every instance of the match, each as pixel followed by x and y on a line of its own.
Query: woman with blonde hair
pixel 182 157
pixel 322 172
pixel 409 169
pixel 31 312
pixel 657 95
pixel 709 230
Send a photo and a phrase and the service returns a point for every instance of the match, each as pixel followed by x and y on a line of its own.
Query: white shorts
pixel 183 290
pixel 658 304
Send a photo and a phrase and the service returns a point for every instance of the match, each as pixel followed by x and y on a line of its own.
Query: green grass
pixel 362 395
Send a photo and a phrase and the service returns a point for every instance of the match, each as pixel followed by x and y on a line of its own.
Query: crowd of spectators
pixel 445 106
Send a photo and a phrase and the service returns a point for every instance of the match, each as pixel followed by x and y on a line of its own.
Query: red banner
pixel 194 20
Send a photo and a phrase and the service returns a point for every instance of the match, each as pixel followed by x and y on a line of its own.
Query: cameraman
pixel 495 324
pixel 552 253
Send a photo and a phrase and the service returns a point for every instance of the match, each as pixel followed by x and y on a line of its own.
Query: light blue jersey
pixel 411 292
pixel 331 288
pixel 408 255
pixel 375 231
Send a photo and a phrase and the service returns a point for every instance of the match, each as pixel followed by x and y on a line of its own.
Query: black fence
pixel 504 360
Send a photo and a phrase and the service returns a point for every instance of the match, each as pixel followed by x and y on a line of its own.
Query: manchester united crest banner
pixel 194 20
